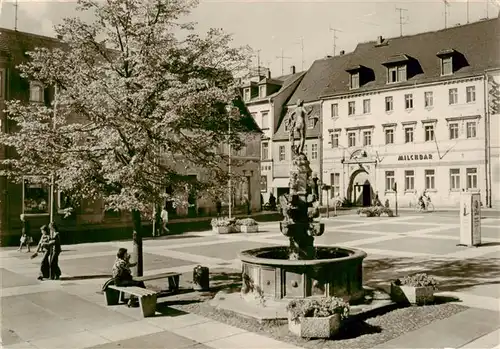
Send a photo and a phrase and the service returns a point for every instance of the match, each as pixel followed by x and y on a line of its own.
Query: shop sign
pixel 411 157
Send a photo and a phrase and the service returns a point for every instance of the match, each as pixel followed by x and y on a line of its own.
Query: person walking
pixel 55 247
pixel 26 238
pixel 43 246
pixel 164 220
pixel 218 206
pixel 272 201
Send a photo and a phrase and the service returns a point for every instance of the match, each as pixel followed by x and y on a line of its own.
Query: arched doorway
pixel 360 191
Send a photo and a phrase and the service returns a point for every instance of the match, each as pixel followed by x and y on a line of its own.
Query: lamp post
pixel 53 175
pixel 229 110
pixel 326 187
pixel 395 188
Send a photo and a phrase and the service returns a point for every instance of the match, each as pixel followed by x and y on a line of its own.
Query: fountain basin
pixel 336 271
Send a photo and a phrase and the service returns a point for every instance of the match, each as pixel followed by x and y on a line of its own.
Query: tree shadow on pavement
pixel 452 275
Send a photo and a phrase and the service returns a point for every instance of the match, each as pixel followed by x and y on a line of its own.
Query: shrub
pixel 375 211
pixel 417 280
pixel 246 222
pixel 223 222
pixel 323 307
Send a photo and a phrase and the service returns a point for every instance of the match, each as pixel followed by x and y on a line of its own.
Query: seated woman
pixel 122 276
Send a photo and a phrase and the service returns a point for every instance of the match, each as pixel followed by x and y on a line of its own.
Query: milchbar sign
pixel 411 157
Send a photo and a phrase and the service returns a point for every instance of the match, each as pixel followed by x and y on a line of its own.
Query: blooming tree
pixel 139 99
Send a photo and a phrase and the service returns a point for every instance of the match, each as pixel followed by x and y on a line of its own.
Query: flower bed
pixel 375 211
pixel 416 289
pixel 247 225
pixel 224 225
pixel 316 318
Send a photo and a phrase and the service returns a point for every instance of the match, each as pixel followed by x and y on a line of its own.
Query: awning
pixel 280 182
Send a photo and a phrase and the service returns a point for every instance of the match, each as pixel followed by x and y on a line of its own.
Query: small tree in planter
pixel 415 289
pixel 247 225
pixel 316 317
pixel 224 225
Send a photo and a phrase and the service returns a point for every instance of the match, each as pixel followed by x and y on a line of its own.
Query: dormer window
pixel 262 91
pixel 246 94
pixel 396 74
pixel 397 68
pixel 354 80
pixel 447 65
pixel 36 92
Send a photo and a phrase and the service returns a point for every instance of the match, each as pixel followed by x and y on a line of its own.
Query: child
pixel 25 236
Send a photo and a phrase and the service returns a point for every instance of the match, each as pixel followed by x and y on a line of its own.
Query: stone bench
pixel 147 298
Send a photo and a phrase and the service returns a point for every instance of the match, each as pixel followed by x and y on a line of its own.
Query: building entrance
pixel 360 191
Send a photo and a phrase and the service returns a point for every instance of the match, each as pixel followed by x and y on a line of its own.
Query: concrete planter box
pixel 249 228
pixel 412 295
pixel 315 327
pixel 225 230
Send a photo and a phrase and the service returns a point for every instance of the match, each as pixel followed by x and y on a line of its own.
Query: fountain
pixel 301 269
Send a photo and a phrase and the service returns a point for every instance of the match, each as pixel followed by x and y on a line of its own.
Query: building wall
pixel 442 154
pixel 493 88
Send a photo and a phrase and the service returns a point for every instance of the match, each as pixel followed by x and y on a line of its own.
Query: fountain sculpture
pixel 301 269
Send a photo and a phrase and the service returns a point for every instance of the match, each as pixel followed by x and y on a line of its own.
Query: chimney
pixel 292 69
pixel 342 52
pixel 380 40
pixel 269 73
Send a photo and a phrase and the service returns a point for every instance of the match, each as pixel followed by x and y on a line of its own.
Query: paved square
pixel 417 245
pixel 390 227
pixel 227 251
pixel 10 279
pixel 332 236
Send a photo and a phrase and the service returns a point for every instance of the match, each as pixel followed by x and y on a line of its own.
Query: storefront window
pixel 263 183
pixel 455 179
pixel 335 182
pixel 36 197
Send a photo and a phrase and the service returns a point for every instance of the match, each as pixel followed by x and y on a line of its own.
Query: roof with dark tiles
pixel 476 44
pixel 16 43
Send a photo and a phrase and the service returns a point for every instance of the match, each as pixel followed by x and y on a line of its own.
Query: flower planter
pixel 249 228
pixel 413 295
pixel 315 327
pixel 225 229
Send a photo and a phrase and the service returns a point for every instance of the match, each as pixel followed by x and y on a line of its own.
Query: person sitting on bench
pixel 122 275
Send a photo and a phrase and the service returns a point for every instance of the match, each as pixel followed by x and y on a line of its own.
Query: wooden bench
pixel 173 279
pixel 147 298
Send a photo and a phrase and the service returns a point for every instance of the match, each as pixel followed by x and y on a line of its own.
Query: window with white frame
pixel 305 151
pixel 282 153
pixel 335 110
pixel 409 101
pixel 389 180
pixel 389 136
pixel 351 139
pixel 453 128
pixel 408 134
pixel 430 179
pixel 367 138
pixel 262 91
pixel 335 140
pixel 470 93
pixel 314 151
pixel 355 80
pixel 446 66
pixel 35 197
pixel 409 180
pixel 471 129
pixel 471 178
pixel 246 94
pixel 366 106
pixel 396 74
pixel 335 183
pixel 389 103
pixel 453 96
pixel 429 133
pixel 454 179
pixel 265 120
pixel 265 150
pixel 263 183
pixel 1 83
pixel 428 99
pixel 311 122
pixel 36 92
pixel 351 108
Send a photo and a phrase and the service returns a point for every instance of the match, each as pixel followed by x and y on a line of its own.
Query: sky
pixel 301 31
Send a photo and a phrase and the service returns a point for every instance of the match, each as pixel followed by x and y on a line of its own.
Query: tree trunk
pixel 137 240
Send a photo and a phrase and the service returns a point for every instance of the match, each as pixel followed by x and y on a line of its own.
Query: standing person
pixel 218 206
pixel 26 238
pixel 122 276
pixel 272 202
pixel 164 220
pixel 43 246
pixel 55 246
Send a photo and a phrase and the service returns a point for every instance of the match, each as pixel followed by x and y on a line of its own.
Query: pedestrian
pixel 43 246
pixel 248 205
pixel 122 275
pixel 26 238
pixel 55 246
pixel 218 206
pixel 164 220
pixel 272 202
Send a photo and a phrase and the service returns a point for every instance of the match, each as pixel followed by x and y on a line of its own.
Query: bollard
pixel 201 278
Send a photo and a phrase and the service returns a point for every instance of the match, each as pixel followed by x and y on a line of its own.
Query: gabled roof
pixel 318 77
pixel 475 44
pixel 15 44
pixel 284 81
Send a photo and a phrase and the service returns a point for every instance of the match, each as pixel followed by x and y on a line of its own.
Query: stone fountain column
pixel 300 207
